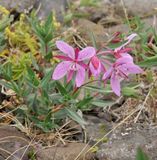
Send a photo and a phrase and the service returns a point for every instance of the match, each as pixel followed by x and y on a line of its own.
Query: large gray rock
pixel 148 22
pixel 46 6
pixel 68 152
pixel 136 7
pixel 18 5
pixel 13 144
pixel 123 143
pixel 96 128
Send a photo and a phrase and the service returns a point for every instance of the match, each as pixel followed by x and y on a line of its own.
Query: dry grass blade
pixel 8 137
pixel 17 150
pixel 125 12
pixel 16 158
pixel 30 143
pixel 142 106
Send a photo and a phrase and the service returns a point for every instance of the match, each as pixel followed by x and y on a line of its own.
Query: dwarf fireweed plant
pixel 89 61
pixel 27 65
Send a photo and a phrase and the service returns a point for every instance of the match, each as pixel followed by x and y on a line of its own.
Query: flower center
pixel 73 67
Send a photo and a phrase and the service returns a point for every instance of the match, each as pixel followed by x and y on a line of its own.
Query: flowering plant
pixel 77 63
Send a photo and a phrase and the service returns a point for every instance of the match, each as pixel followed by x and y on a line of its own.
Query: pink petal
pixel 66 48
pixel 134 69
pixel 124 59
pixel 65 58
pixel 107 74
pixel 121 52
pixel 80 76
pixel 125 50
pixel 86 53
pixel 123 70
pixel 92 69
pixel 128 56
pixel 85 66
pixel 95 72
pixel 61 70
pixel 103 69
pixel 115 84
pixel 129 39
pixel 70 75
pixel 95 62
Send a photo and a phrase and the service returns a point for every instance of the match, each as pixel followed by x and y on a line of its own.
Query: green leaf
pixel 84 102
pixel 101 103
pixel 6 84
pixel 5 21
pixel 34 62
pixel 93 39
pixel 7 71
pixel 61 89
pixel 11 85
pixel 105 90
pixel 16 88
pixel 149 62
pixel 48 23
pixel 32 77
pixel 74 115
pixel 141 155
pixel 86 3
pixel 130 91
pixel 45 80
pixel 45 97
pixel 115 45
pixel 33 102
pixel 2 41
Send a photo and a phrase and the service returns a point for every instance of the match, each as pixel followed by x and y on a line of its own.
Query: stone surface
pixel 46 6
pixel 136 7
pixel 96 128
pixel 123 143
pixel 13 141
pixel 125 29
pixel 68 152
pixel 18 5
pixel 86 28
pixel 101 34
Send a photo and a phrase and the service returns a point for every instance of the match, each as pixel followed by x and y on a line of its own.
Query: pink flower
pixel 119 71
pixel 73 62
pixel 128 40
pixel 121 51
pixel 95 66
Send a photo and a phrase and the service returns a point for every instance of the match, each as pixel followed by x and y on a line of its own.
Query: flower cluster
pixel 77 62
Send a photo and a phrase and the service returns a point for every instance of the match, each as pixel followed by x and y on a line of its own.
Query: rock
pixel 87 28
pixel 18 5
pixel 101 34
pixel 46 6
pixel 139 8
pixel 96 128
pixel 12 140
pixel 68 152
pixel 123 143
pixel 125 29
